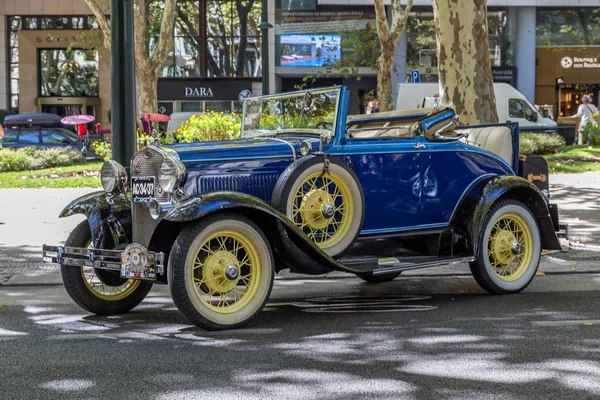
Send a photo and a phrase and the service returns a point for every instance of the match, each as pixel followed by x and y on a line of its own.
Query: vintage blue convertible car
pixel 311 189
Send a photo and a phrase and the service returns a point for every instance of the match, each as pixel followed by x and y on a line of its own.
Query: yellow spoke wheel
pixel 226 272
pixel 323 207
pixel 510 247
pixel 221 271
pixel 99 291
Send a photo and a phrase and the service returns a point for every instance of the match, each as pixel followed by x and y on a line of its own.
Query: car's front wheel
pixel 221 271
pixel 509 249
pixel 99 291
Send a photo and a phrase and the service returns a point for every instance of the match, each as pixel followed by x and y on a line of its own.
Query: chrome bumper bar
pixel 96 258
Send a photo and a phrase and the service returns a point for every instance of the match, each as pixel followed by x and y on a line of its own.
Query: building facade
pixel 548 50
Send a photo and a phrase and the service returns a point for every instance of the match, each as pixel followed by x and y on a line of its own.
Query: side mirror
pixel 535 117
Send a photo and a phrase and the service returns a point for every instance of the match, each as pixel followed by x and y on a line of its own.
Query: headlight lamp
pixel 171 174
pixel 113 176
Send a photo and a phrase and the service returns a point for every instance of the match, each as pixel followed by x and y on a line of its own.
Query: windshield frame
pixel 327 133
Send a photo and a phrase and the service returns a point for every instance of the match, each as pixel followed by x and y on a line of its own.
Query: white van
pixel 511 104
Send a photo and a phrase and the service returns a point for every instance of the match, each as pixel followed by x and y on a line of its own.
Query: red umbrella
pixel 77 119
pixel 155 117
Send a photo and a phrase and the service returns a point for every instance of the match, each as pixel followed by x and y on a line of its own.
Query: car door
pixel 519 111
pixel 389 171
pixel 56 137
pixel 29 137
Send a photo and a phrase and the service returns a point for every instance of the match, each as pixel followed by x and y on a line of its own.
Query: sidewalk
pixel 29 218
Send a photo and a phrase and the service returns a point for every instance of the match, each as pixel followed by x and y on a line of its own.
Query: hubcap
pixel 323 208
pixel 510 247
pixel 226 271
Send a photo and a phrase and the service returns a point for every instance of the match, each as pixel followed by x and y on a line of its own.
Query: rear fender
pixel 263 214
pixel 476 204
pixel 109 216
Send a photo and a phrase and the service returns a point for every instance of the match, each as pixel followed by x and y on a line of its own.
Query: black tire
pixel 370 278
pixel 83 293
pixel 183 280
pixel 296 174
pixel 505 246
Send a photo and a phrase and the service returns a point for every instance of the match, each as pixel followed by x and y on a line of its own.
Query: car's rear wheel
pixel 221 271
pixel 99 291
pixel 509 249
pixel 327 204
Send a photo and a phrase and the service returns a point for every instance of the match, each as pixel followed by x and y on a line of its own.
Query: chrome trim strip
pixel 283 141
pixel 406 266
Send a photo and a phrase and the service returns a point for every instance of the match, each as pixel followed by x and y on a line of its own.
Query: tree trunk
pixel 465 70
pixel 385 62
pixel 147 85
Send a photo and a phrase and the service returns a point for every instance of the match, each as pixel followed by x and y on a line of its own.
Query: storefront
pixel 567 73
pixel 326 46
pixel 198 94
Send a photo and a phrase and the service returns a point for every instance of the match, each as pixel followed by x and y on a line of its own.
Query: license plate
pixel 137 263
pixel 142 189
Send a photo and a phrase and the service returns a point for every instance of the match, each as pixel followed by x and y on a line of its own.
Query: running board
pixel 405 266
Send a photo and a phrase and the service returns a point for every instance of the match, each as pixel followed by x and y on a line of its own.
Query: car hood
pixel 236 149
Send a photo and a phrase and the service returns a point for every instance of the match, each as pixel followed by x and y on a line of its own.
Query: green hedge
pixel 29 158
pixel 539 143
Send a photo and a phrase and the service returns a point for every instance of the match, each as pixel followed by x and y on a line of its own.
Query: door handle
pixel 419 146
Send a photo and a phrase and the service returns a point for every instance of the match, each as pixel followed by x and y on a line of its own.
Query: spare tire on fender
pixel 325 202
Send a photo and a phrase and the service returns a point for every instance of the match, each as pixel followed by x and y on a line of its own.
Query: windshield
pixel 308 111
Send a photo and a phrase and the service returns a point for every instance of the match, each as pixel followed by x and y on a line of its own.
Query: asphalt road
pixel 413 338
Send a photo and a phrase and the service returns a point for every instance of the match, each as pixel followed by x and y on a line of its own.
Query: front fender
pixel 485 194
pixel 109 216
pixel 263 214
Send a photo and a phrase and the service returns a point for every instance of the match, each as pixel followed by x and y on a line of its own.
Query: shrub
pixel 102 149
pixel 210 126
pixel 38 158
pixel 591 133
pixel 540 143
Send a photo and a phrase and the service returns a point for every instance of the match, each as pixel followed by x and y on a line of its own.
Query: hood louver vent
pixel 260 185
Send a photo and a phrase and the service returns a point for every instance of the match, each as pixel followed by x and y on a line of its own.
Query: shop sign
pixel 579 62
pixel 165 108
pixel 324 21
pixel 505 74
pixel 201 89
pixel 56 39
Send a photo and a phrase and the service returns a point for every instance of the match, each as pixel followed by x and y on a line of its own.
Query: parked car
pixel 41 137
pixel 311 189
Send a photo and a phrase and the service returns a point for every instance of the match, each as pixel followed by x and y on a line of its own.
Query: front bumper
pixel 113 260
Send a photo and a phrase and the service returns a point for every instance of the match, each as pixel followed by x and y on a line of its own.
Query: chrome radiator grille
pixel 259 185
pixel 146 162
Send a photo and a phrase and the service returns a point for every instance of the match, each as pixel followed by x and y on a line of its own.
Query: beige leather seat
pixel 497 139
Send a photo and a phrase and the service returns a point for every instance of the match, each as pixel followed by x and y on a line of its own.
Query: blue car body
pixel 413 188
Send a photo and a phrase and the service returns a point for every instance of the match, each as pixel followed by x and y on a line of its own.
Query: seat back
pixel 497 139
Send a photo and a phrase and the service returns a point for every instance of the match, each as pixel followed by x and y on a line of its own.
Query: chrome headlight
pixel 113 176
pixel 171 174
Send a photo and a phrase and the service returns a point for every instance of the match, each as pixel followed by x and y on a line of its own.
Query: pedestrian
pixel 1 135
pixel 375 105
pixel 82 130
pixel 586 112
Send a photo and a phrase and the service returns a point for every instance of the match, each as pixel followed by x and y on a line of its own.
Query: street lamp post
pixel 122 81
pixel 264 29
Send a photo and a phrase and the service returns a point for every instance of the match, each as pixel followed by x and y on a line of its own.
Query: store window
pixel 14 24
pixel 311 36
pixel 568 27
pixel 214 38
pixel 421 50
pixel 68 73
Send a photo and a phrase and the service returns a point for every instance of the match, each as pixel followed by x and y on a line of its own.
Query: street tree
pixel 388 38
pixel 153 36
pixel 465 71
pixel 360 49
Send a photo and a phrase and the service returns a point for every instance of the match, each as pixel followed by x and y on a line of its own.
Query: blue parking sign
pixel 416 76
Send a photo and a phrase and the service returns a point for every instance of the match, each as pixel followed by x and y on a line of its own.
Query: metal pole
pixel 122 81
pixel 264 29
